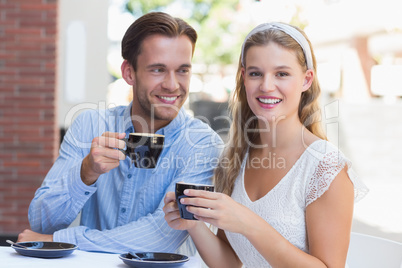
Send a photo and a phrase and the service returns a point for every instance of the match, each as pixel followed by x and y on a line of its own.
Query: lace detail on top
pixel 331 164
pixel 284 206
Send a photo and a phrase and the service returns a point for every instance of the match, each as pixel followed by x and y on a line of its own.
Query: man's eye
pixel 184 71
pixel 158 70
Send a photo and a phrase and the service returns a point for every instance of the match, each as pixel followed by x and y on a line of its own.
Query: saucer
pixel 154 259
pixel 44 249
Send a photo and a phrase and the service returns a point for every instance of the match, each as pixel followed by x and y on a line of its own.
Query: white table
pixel 9 258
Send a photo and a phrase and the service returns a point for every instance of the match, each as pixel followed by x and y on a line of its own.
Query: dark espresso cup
pixel 180 187
pixel 144 149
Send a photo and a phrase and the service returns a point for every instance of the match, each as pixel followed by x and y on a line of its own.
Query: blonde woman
pixel 284 195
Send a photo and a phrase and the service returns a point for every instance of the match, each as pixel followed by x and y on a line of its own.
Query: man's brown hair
pixel 150 24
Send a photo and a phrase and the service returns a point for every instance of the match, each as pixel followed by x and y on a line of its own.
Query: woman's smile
pixel 269 102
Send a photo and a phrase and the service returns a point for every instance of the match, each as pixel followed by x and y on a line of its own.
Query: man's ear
pixel 308 80
pixel 127 72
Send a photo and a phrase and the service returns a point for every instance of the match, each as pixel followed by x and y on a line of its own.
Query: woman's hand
pixel 219 209
pixel 172 214
pixel 214 250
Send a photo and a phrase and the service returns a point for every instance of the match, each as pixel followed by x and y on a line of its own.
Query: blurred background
pixel 60 57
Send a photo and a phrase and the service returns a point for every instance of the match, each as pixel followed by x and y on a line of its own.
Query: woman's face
pixel 274 82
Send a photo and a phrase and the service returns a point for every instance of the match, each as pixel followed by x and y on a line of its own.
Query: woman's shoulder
pixel 321 150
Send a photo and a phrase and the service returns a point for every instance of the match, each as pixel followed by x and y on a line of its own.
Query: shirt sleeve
pixel 150 232
pixel 326 171
pixel 62 194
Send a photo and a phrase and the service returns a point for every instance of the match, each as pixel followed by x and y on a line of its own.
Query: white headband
pixel 292 32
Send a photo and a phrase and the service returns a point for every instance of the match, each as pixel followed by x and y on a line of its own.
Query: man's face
pixel 161 81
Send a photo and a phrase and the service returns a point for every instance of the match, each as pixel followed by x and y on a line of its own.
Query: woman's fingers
pixel 201 193
pixel 169 197
pixel 169 207
pixel 199 202
pixel 201 211
pixel 172 215
pixel 205 199
pixel 171 211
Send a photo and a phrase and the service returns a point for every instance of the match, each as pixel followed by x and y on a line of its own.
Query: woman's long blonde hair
pixel 239 139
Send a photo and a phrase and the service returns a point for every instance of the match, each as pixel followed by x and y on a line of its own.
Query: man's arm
pixel 84 156
pixel 150 232
pixel 82 160
pixel 63 194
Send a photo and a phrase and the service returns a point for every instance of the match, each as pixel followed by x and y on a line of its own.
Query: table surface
pixel 10 258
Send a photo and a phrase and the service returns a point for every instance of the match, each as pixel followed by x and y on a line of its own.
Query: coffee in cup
pixel 180 187
pixel 144 149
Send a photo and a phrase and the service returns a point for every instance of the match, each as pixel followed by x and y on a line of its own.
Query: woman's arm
pixel 328 221
pixel 215 250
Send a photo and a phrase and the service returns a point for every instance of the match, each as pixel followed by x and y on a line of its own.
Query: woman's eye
pixel 254 74
pixel 282 74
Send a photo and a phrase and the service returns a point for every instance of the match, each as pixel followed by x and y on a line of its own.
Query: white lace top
pixel 285 205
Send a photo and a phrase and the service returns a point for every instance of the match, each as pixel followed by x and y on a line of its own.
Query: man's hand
pixel 28 235
pixel 103 156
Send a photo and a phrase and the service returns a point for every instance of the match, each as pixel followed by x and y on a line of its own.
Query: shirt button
pixel 129 176
pixel 86 193
pixel 123 210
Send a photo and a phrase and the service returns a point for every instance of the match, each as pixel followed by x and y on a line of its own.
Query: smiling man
pixel 160 78
pixel 120 204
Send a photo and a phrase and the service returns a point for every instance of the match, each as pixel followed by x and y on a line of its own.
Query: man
pixel 121 205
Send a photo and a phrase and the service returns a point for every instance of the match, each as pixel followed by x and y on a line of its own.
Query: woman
pixel 284 194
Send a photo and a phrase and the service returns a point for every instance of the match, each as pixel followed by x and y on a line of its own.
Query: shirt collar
pixel 175 125
pixel 127 123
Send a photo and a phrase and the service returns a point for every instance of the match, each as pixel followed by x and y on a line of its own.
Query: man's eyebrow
pixel 186 65
pixel 156 65
pixel 161 65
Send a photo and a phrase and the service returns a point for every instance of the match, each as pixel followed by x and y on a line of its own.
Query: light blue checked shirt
pixel 122 211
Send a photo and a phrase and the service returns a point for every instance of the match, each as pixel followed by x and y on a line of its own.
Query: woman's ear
pixel 308 80
pixel 127 72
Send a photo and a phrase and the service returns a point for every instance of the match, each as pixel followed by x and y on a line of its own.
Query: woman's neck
pixel 283 134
